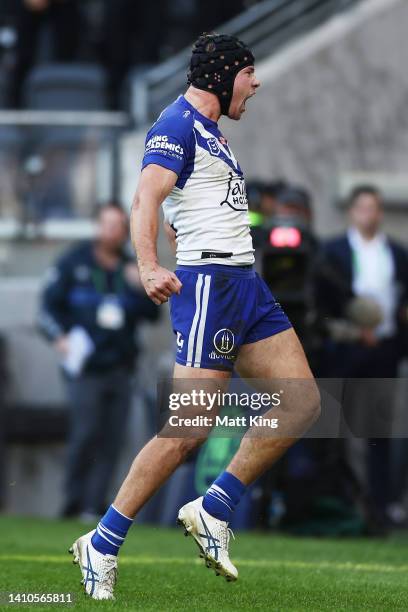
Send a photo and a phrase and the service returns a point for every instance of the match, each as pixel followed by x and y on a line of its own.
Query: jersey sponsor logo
pixel 236 197
pixel 162 143
pixel 224 341
pixel 213 146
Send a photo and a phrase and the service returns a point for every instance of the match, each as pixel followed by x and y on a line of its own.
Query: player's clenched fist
pixel 159 283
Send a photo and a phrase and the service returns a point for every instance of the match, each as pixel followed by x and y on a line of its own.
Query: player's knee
pixel 188 445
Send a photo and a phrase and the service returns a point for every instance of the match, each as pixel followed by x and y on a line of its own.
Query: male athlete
pixel 222 313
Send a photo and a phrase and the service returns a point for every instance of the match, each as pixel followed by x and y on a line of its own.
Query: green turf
pixel 160 570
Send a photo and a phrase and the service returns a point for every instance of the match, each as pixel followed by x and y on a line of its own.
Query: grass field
pixel 160 570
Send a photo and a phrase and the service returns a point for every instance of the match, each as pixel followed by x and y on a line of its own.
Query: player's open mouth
pixel 243 107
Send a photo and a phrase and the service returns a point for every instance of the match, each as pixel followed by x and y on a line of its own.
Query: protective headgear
pixel 215 62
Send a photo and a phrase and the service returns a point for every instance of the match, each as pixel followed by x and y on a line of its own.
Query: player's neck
pixel 205 102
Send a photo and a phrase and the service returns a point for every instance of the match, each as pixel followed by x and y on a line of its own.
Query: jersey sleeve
pixel 169 143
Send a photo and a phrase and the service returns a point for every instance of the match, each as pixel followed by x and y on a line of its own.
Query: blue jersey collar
pixel 204 120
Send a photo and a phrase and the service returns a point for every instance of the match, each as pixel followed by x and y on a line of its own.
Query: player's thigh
pixel 187 379
pixel 279 356
pixel 203 386
pixel 181 371
pixel 278 364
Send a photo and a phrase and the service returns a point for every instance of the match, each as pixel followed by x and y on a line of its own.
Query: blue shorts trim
pixel 219 309
pixel 262 335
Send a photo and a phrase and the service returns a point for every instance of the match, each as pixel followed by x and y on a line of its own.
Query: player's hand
pixel 159 283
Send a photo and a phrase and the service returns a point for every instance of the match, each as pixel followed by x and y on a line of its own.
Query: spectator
pixel 32 15
pixel 361 290
pixel 91 307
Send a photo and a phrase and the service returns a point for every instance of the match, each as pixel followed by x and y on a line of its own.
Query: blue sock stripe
pixel 223 496
pixel 126 518
pixel 106 538
pixel 218 497
pixel 220 492
pixel 111 532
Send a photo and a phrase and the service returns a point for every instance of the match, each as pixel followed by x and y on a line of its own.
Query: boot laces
pixel 109 574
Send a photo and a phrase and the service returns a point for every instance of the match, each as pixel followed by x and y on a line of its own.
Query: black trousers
pixel 99 408
pixel 367 411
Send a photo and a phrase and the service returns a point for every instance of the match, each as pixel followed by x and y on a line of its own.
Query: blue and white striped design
pixel 220 495
pixel 111 531
pixel 196 336
pixel 208 204
pixel 109 536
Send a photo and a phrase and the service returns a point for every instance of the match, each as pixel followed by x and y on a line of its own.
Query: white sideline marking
pixel 257 563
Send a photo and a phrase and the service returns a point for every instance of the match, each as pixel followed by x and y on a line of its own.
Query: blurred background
pixel 324 151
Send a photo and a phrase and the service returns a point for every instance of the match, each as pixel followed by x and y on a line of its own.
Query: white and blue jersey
pixel 207 207
pixel 223 303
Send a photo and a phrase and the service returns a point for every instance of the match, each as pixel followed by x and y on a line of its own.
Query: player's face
pixel 245 86
pixel 112 229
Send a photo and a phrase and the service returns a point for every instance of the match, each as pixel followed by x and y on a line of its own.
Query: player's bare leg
pixel 278 358
pixel 161 456
pixel 151 468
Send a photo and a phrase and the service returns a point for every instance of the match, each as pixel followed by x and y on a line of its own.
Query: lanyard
pixel 100 281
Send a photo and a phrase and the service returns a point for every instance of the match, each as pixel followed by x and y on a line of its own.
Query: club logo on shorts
pixel 179 341
pixel 224 341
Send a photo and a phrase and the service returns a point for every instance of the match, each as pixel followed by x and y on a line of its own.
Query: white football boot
pixel 99 572
pixel 211 536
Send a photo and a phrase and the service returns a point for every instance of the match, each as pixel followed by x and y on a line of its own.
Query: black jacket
pixel 75 288
pixel 334 276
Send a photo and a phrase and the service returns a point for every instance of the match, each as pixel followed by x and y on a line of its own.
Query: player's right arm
pixel 155 184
